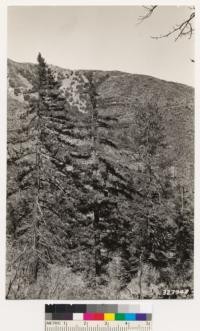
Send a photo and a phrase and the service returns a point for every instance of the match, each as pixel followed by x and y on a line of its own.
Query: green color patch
pixel 120 317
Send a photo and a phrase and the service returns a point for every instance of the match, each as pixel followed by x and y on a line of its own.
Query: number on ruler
pixel 101 326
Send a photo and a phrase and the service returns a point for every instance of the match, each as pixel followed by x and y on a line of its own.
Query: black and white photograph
pixel 100 152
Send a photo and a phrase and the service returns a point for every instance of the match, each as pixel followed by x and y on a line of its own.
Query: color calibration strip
pixel 98 312
pixel 98 317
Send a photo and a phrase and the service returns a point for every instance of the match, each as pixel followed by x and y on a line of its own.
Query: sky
pixel 102 37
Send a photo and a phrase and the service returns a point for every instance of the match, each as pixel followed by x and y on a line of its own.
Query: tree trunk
pixel 140 277
pixel 97 243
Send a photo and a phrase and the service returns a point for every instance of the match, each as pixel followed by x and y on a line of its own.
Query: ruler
pixel 53 325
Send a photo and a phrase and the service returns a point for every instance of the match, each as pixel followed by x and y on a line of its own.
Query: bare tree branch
pixel 184 29
pixel 149 11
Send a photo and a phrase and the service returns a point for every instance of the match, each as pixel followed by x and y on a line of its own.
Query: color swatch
pixel 96 313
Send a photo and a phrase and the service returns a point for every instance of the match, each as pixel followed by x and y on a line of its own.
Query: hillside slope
pixel 119 95
pixel 99 183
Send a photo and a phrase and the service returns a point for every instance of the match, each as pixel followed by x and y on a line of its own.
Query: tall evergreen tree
pixel 184 234
pixel 103 202
pixel 38 220
pixel 156 217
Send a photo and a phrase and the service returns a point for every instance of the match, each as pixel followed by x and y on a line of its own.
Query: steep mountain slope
pixel 100 182
pixel 119 95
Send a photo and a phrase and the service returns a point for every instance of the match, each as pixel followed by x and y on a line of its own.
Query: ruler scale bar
pixel 102 326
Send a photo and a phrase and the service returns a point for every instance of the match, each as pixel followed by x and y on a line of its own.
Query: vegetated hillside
pixel 78 193
pixel 119 95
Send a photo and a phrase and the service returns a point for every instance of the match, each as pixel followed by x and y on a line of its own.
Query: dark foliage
pixel 89 201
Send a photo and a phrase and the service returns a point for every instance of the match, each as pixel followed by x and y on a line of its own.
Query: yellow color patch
pixel 109 317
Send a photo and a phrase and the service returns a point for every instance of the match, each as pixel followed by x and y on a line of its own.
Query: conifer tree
pixel 39 230
pixel 156 217
pixel 184 234
pixel 103 204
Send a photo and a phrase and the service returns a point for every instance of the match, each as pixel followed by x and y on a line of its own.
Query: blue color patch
pixel 130 317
